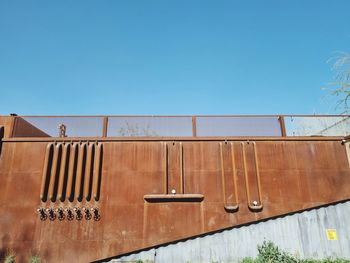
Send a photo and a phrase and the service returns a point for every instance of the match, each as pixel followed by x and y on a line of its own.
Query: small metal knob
pixel 96 213
pixel 51 212
pixel 87 213
pixel 60 213
pixel 42 214
pixel 70 215
pixel 78 214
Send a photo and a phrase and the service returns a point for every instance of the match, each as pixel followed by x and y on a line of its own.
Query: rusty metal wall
pixel 154 191
pixel 7 123
pixel 302 234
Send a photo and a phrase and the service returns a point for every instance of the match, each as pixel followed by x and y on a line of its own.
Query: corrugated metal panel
pixel 302 234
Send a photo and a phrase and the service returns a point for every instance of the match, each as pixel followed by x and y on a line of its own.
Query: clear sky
pixel 169 57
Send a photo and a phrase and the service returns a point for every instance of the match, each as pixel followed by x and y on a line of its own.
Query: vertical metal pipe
pixel 80 169
pixel 165 150
pixel 72 171
pixel 234 173
pixel 88 181
pixel 54 174
pixel 228 207
pixel 64 163
pixel 258 206
pixel 182 186
pixel 257 172
pixel 105 126
pixel 245 173
pixel 283 126
pixel 194 126
pixel 222 173
pixel 97 171
pixel 46 172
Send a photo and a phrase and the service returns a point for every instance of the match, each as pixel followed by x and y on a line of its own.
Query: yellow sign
pixel 332 234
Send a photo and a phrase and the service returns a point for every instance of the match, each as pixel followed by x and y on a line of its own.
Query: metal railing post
pixel 105 126
pixel 194 126
pixel 283 126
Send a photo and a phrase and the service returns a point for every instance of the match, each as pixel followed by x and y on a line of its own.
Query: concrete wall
pixel 302 234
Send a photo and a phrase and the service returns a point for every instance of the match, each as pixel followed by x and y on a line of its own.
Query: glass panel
pixel 149 127
pixel 317 126
pixel 238 126
pixel 49 126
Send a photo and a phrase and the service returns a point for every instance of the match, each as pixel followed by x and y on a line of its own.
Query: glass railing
pixel 212 126
pixel 181 126
pixel 150 126
pixel 58 126
pixel 317 125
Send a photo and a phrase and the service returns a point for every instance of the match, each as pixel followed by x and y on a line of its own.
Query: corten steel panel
pixel 289 175
pixel 23 128
pixel 6 121
pixel 306 232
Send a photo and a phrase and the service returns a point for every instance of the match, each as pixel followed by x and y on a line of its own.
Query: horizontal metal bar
pixel 171 139
pixel 178 116
pixel 174 197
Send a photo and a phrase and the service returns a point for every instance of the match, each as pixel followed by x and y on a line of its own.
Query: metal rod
pixel 194 126
pixel 53 177
pixel 234 173
pixel 257 172
pixel 182 116
pixel 46 172
pixel 181 170
pixel 72 171
pixel 258 206
pixel 222 172
pixel 105 126
pixel 283 126
pixel 87 180
pixel 172 139
pixel 97 171
pixel 166 179
pixel 64 160
pixel 245 172
pixel 79 188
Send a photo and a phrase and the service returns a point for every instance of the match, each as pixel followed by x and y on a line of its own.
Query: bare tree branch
pixel 341 82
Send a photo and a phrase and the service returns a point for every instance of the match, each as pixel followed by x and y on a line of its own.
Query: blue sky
pixel 169 57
